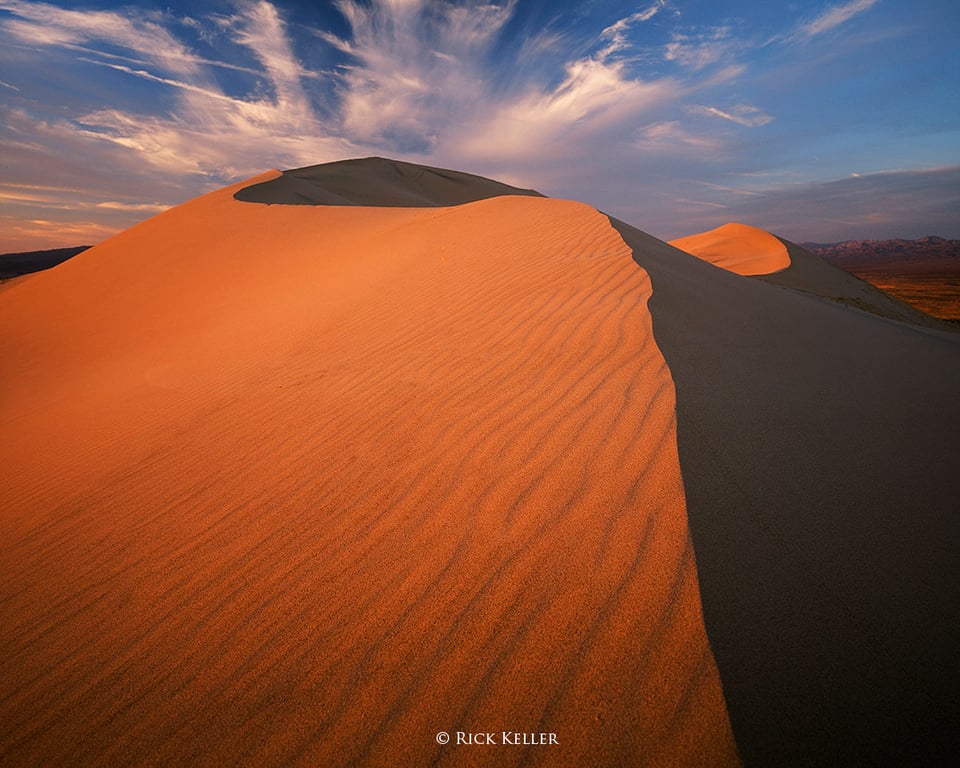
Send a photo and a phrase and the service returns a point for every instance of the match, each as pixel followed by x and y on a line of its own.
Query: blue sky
pixel 815 120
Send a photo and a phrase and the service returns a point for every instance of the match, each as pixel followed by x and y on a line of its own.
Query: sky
pixel 818 121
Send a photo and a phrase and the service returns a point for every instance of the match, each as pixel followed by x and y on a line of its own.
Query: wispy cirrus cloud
pixel 211 132
pixel 831 18
pixel 671 137
pixel 700 49
pixel 616 34
pixel 741 114
pixel 47 25
pixel 412 64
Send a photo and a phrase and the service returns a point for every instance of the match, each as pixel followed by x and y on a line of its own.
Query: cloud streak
pixel 741 114
pixel 832 18
pixel 836 16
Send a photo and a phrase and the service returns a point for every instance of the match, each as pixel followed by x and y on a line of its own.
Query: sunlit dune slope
pixel 737 248
pixel 293 485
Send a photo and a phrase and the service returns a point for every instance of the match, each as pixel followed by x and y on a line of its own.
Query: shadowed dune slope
pixel 376 181
pixel 290 485
pixel 737 248
pixel 819 450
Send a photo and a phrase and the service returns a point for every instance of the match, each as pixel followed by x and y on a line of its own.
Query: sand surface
pixel 291 485
pixel 737 248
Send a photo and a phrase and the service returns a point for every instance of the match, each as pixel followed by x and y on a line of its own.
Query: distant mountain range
pixel 923 272
pixel 925 250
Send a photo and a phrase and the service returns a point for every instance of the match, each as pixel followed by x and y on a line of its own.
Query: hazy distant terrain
pixel 923 272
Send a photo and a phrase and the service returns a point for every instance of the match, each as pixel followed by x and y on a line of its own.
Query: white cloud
pixel 113 205
pixel 262 31
pixel 209 133
pixel 595 97
pixel 413 69
pixel 670 136
pixel 700 50
pixel 832 17
pixel 42 24
pixel 616 33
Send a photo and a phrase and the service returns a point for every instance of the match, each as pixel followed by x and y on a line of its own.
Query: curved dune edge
pixel 375 181
pixel 737 248
pixel 307 485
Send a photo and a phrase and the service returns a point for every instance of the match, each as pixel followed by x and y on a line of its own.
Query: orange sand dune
pixel 737 248
pixel 308 485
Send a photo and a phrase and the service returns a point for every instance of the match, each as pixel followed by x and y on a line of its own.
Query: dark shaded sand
pixel 376 181
pixel 296 485
pixel 821 463
pixel 22 263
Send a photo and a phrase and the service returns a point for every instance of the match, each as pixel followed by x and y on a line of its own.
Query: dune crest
pixel 737 248
pixel 376 181
pixel 300 485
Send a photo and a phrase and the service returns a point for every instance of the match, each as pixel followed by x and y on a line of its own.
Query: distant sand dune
pixel 307 485
pixel 737 248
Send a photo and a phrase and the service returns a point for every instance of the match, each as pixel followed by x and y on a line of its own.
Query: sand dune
pixel 737 248
pixel 293 485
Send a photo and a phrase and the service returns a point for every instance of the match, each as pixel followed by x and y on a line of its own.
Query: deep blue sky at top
pixel 817 120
